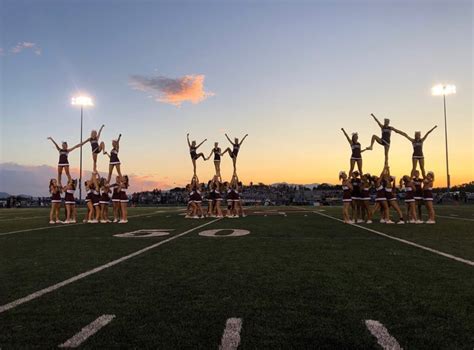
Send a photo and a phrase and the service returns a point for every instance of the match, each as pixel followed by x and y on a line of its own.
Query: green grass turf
pixel 297 281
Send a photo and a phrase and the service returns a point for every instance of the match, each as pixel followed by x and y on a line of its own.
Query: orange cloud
pixel 173 91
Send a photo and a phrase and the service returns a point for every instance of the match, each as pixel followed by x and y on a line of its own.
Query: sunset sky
pixel 288 73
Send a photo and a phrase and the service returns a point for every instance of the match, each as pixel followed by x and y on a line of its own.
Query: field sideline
pixel 283 277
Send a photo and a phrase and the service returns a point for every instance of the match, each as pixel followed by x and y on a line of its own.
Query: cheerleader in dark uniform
pixel 217 159
pixel 70 202
pixel 428 196
pixel 410 189
pixel 417 143
pixel 385 139
pixel 356 156
pixel 346 196
pixel 356 198
pixel 390 188
pixel 114 159
pixel 418 195
pixel 96 145
pixel 237 188
pixel 63 158
pixel 56 201
pixel 90 207
pixel 233 153
pixel 104 201
pixel 193 152
pixel 123 186
pixel 381 199
pixel 116 199
pixel 366 184
pixel 95 199
pixel 217 196
pixel 195 199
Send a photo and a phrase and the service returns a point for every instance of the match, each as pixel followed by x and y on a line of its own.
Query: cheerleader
pixel 90 206
pixel 233 198
pixel 195 199
pixel 114 159
pixel 95 199
pixel 209 197
pixel 410 189
pixel 193 152
pixel 381 199
pixel 235 150
pixel 385 139
pixel 63 158
pixel 217 159
pixel 390 188
pixel 356 198
pixel 239 209
pixel 217 197
pixel 418 195
pixel 346 196
pixel 356 156
pixel 417 143
pixel 97 146
pixel 428 196
pixel 70 202
pixel 104 201
pixel 55 191
pixel 366 184
pixel 123 186
pixel 116 199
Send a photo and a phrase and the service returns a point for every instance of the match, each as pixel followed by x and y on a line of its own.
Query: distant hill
pixel 4 195
pixel 293 185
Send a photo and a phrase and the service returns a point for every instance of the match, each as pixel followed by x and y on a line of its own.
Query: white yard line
pixel 68 225
pixel 446 255
pixel 22 218
pixel 384 339
pixel 231 337
pixel 49 289
pixel 454 218
pixel 89 330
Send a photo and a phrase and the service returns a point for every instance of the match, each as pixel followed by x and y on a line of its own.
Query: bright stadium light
pixel 444 90
pixel 440 89
pixel 85 101
pixel 82 101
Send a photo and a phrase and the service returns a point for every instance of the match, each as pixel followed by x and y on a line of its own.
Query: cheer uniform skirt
pixel 380 194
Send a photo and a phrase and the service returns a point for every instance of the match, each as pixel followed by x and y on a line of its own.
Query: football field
pixel 280 278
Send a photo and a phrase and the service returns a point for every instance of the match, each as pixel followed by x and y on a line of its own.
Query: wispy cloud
pixel 25 45
pixel 2 52
pixel 174 91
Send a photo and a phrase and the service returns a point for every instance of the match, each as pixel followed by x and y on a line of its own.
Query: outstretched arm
pixel 57 147
pixel 210 154
pixel 429 132
pixel 378 122
pixel 229 139
pixel 118 142
pixel 187 137
pixel 201 144
pixel 100 130
pixel 403 134
pixel 243 138
pixel 347 136
pixel 78 145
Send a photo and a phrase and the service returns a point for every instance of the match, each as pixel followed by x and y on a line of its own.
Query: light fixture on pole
pixel 82 101
pixel 444 90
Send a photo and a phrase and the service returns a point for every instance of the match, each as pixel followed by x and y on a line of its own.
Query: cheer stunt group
pixel 357 185
pixel 216 192
pixel 99 189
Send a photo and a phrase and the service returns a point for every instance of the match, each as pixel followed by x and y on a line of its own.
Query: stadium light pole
pixel 444 90
pixel 82 101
